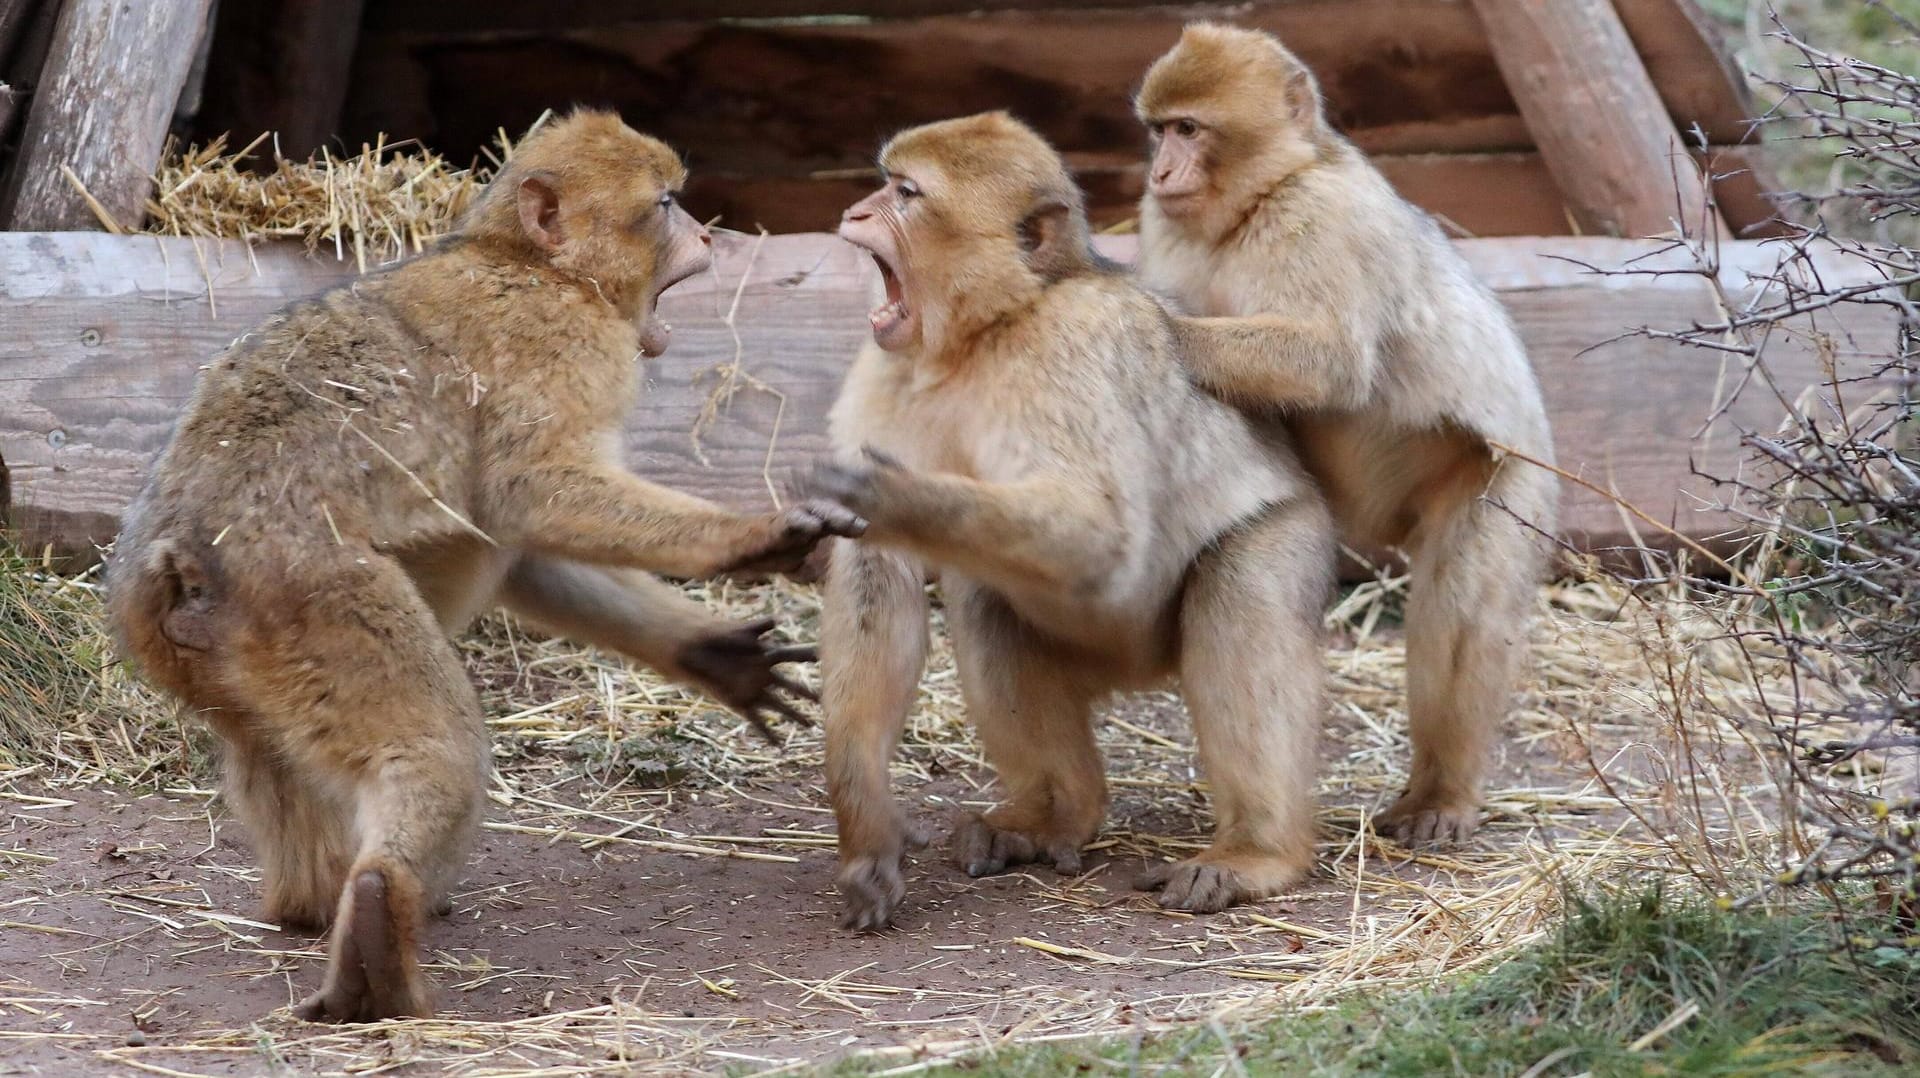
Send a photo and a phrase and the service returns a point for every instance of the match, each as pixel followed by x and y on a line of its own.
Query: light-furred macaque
pixel 1393 367
pixel 1022 426
pixel 367 471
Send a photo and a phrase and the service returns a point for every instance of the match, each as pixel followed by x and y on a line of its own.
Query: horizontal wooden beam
pixel 770 98
pixel 106 335
pixel 1504 194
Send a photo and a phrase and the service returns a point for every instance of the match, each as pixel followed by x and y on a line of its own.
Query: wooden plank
pixel 102 111
pixel 1593 111
pixel 759 106
pixel 788 97
pixel 1507 194
pixel 280 66
pixel 105 335
pixel 1476 194
pixel 1378 59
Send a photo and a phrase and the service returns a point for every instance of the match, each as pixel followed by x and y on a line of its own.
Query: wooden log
pixel 1593 111
pixel 102 112
pixel 280 66
pixel 107 334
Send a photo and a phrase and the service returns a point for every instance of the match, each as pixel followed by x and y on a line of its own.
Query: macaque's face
pixel 613 215
pixel 659 233
pixel 879 224
pixel 1178 172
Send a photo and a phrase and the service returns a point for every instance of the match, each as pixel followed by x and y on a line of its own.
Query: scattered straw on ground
pixel 1598 781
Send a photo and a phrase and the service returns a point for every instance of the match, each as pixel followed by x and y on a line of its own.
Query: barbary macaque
pixel 1396 371
pixel 1024 426
pixel 367 471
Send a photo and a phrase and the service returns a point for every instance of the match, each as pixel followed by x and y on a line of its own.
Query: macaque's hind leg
pixel 1033 708
pixel 1474 576
pixel 300 831
pixel 1251 669
pixel 361 692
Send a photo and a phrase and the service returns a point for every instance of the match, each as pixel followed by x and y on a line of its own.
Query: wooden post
pixel 282 66
pixel 101 111
pixel 1596 117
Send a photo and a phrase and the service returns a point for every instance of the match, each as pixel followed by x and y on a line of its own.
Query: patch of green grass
pixel 1633 984
pixel 51 653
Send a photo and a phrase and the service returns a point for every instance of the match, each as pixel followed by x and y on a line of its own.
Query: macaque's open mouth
pixel 892 321
pixel 655 335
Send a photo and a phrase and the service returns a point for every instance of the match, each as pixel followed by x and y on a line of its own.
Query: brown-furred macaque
pixel 1022 425
pixel 1394 368
pixel 367 471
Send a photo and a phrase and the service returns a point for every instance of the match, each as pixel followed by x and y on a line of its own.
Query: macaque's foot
pixel 1429 820
pixel 990 844
pixel 373 973
pixel 872 884
pixel 1211 882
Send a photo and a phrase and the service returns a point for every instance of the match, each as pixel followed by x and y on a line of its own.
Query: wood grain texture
pixel 102 109
pixel 1593 111
pixel 773 110
pixel 101 338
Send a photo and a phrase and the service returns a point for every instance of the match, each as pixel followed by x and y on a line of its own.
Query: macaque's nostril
pixel 706 238
pixel 856 214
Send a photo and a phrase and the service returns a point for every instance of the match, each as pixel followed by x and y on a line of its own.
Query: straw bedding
pixel 1625 756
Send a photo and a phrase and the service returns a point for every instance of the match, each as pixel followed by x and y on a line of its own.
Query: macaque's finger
pixel 789 711
pixel 796 688
pixel 1155 877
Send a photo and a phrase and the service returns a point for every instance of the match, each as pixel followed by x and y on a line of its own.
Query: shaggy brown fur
pixel 1390 364
pixel 367 471
pixel 1023 425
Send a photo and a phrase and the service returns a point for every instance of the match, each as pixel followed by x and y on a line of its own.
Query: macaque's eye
pixel 1186 128
pixel 908 189
pixel 666 199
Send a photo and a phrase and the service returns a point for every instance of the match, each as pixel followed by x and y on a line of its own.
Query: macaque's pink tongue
pixel 655 335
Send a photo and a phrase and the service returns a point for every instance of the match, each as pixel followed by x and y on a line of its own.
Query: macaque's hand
pixel 736 667
pixel 791 535
pixel 863 481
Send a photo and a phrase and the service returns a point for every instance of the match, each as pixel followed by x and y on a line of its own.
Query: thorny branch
pixel 1832 584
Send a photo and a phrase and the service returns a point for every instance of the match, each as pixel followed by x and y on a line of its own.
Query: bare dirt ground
pixel 701 936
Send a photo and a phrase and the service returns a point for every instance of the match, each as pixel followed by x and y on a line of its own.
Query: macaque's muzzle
pixel 1177 171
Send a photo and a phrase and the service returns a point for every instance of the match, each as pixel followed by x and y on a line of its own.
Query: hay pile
pixel 383 203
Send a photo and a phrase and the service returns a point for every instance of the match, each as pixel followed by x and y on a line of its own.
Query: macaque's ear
pixel 540 211
pixel 1046 240
pixel 1302 96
